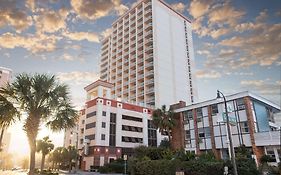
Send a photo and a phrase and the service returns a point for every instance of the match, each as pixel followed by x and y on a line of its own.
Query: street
pixel 21 172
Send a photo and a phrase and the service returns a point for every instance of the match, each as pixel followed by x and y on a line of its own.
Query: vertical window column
pixel 112 130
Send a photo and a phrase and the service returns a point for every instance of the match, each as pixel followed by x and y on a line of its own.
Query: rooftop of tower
pixel 164 3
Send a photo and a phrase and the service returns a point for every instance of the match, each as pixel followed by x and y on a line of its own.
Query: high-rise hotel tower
pixel 149 56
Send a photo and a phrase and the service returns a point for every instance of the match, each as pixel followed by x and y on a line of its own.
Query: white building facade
pixel 108 129
pixel 253 126
pixel 149 56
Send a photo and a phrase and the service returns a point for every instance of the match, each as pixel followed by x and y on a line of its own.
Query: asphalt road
pixel 19 172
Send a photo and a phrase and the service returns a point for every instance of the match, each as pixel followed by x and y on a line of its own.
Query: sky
pixel 237 45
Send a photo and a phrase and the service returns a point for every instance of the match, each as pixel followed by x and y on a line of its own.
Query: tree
pixel 57 157
pixel 44 146
pixel 44 100
pixel 8 115
pixel 72 154
pixel 164 120
pixel 63 157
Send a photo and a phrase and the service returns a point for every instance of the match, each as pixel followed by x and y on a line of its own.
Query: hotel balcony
pixel 140 93
pixel 140 68
pixel 148 35
pixel 147 5
pixel 139 17
pixel 267 138
pixel 149 65
pixel 149 82
pixel 140 76
pixel 140 32
pixel 104 63
pixel 148 12
pixel 133 72
pixel 147 19
pixel 103 76
pixel 103 70
pixel 150 73
pixel 148 48
pixel 150 90
pixel 103 59
pixel 151 100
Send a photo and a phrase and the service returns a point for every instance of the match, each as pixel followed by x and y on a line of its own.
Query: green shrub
pixel 169 167
pixel 165 143
pixel 116 166
pixel 153 167
pixel 207 156
pixel 244 166
pixel 153 153
pixel 200 167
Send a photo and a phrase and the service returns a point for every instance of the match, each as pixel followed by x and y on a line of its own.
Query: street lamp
pixel 229 133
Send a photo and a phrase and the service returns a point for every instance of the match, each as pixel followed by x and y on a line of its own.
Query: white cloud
pixel 106 33
pixel 253 46
pixel 252 82
pixel 225 14
pixel 199 8
pixel 267 88
pixel 262 16
pixel 34 43
pixel 180 7
pixel 79 36
pixel 78 78
pixel 7 55
pixel 68 57
pixel 96 9
pixel 208 74
pixel 203 52
pixel 51 21
pixel 121 9
pixel 227 53
pixel 10 15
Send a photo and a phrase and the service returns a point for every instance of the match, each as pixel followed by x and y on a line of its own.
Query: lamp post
pixel 232 154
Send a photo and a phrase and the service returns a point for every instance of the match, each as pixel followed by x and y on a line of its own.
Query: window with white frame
pixel 244 127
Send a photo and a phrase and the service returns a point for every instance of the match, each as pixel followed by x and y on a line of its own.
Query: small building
pixel 201 126
pixel 108 129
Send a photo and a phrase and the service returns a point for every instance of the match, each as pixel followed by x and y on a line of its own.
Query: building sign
pixel 232 119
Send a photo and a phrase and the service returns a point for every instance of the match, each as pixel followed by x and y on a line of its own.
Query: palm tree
pixel 44 146
pixel 57 157
pixel 7 116
pixel 44 101
pixel 163 120
pixel 72 154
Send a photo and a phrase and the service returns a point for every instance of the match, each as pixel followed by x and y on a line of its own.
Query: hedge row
pixel 169 167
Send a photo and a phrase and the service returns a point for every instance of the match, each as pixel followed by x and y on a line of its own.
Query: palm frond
pixel 65 117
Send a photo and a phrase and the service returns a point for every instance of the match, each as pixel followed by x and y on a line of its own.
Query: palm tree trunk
pixel 1 137
pixel 31 127
pixel 70 166
pixel 42 162
pixel 169 136
pixel 32 144
pixel 53 165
